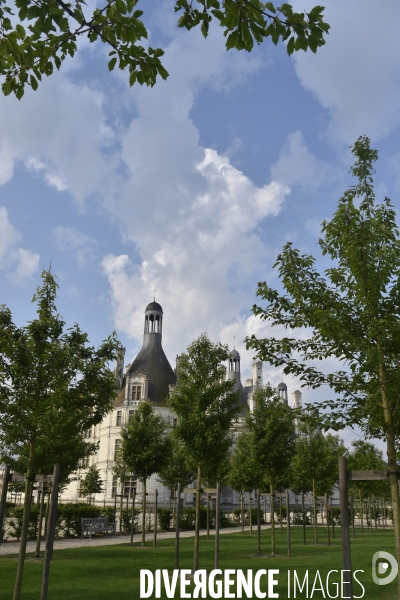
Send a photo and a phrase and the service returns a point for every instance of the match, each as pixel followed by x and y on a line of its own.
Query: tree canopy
pixel 365 455
pixel 92 482
pixel 53 386
pixel 206 407
pixel 353 312
pixel 146 447
pixel 37 35
pixel 272 443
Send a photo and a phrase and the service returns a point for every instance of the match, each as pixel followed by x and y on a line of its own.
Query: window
pixel 131 413
pixel 129 486
pixel 87 433
pixel 136 392
pixel 117 448
pixel 85 462
pixel 119 418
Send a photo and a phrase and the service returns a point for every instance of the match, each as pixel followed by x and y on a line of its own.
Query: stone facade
pixel 150 377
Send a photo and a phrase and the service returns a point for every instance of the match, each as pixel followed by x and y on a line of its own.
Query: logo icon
pixel 385 559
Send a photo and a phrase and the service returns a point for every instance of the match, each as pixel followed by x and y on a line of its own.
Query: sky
pixel 192 187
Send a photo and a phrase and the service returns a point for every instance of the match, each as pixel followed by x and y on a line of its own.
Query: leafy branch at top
pixel 54 26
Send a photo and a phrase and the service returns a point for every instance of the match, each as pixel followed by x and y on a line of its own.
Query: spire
pixel 151 360
pixel 153 318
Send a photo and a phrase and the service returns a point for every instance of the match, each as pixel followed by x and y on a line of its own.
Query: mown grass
pixel 112 572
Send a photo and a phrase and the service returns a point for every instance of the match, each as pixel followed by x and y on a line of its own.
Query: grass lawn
pixel 112 572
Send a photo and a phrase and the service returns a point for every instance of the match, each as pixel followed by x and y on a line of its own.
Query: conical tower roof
pixel 151 360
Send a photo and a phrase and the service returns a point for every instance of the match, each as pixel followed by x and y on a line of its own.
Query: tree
pixel 145 447
pixel 206 407
pixel 42 33
pixel 353 312
pixel 272 438
pixel 121 472
pixel 366 456
pixel 243 474
pixel 315 464
pixel 50 380
pixel 92 482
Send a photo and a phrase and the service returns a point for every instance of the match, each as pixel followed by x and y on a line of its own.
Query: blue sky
pixel 191 187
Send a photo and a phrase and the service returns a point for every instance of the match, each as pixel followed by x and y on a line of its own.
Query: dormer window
pixel 136 392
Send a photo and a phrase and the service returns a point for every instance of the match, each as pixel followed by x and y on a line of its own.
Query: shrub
pixel 164 518
pixel 127 519
pixel 15 524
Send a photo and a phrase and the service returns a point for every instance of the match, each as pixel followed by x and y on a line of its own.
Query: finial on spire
pixel 154 294
pixel 234 342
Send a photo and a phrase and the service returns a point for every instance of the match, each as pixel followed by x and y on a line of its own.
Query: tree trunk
pixel 242 509
pixel 361 511
pixel 39 536
pixel 46 516
pixel 303 518
pixel 121 505
pixel 197 526
pixel 144 514
pixel 251 520
pixel 174 509
pixel 315 512
pixel 392 462
pixel 25 521
pixel 271 489
pixel 208 516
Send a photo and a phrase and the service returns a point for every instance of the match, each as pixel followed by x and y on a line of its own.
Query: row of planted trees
pixel 53 386
pixel 276 448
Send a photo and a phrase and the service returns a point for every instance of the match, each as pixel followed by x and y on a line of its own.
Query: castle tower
pixel 282 393
pixel 119 369
pixel 257 372
pixel 151 361
pixel 234 370
pixel 296 397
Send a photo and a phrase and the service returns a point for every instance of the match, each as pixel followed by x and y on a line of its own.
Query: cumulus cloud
pixel 296 165
pixel 59 132
pixel 192 217
pixel 69 239
pixel 19 263
pixel 356 75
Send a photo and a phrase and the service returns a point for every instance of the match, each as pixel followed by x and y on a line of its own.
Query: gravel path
pixel 13 547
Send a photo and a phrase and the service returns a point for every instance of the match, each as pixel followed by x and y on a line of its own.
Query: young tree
pixel 206 407
pixel 145 447
pixel 43 33
pixel 92 482
pixel 353 312
pixel 272 438
pixel 178 469
pixel 243 476
pixel 315 464
pixel 47 375
pixel 366 456
pixel 122 473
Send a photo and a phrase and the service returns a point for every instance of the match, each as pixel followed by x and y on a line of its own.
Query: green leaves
pixel 247 22
pixel 145 445
pixel 53 385
pixel 204 402
pixel 350 313
pixel 53 28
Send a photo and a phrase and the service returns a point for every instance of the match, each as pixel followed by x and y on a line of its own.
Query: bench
pixel 96 525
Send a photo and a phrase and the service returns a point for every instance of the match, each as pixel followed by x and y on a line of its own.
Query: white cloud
pixel 18 262
pixel 192 217
pixel 69 239
pixel 59 132
pixel 297 166
pixel 356 75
